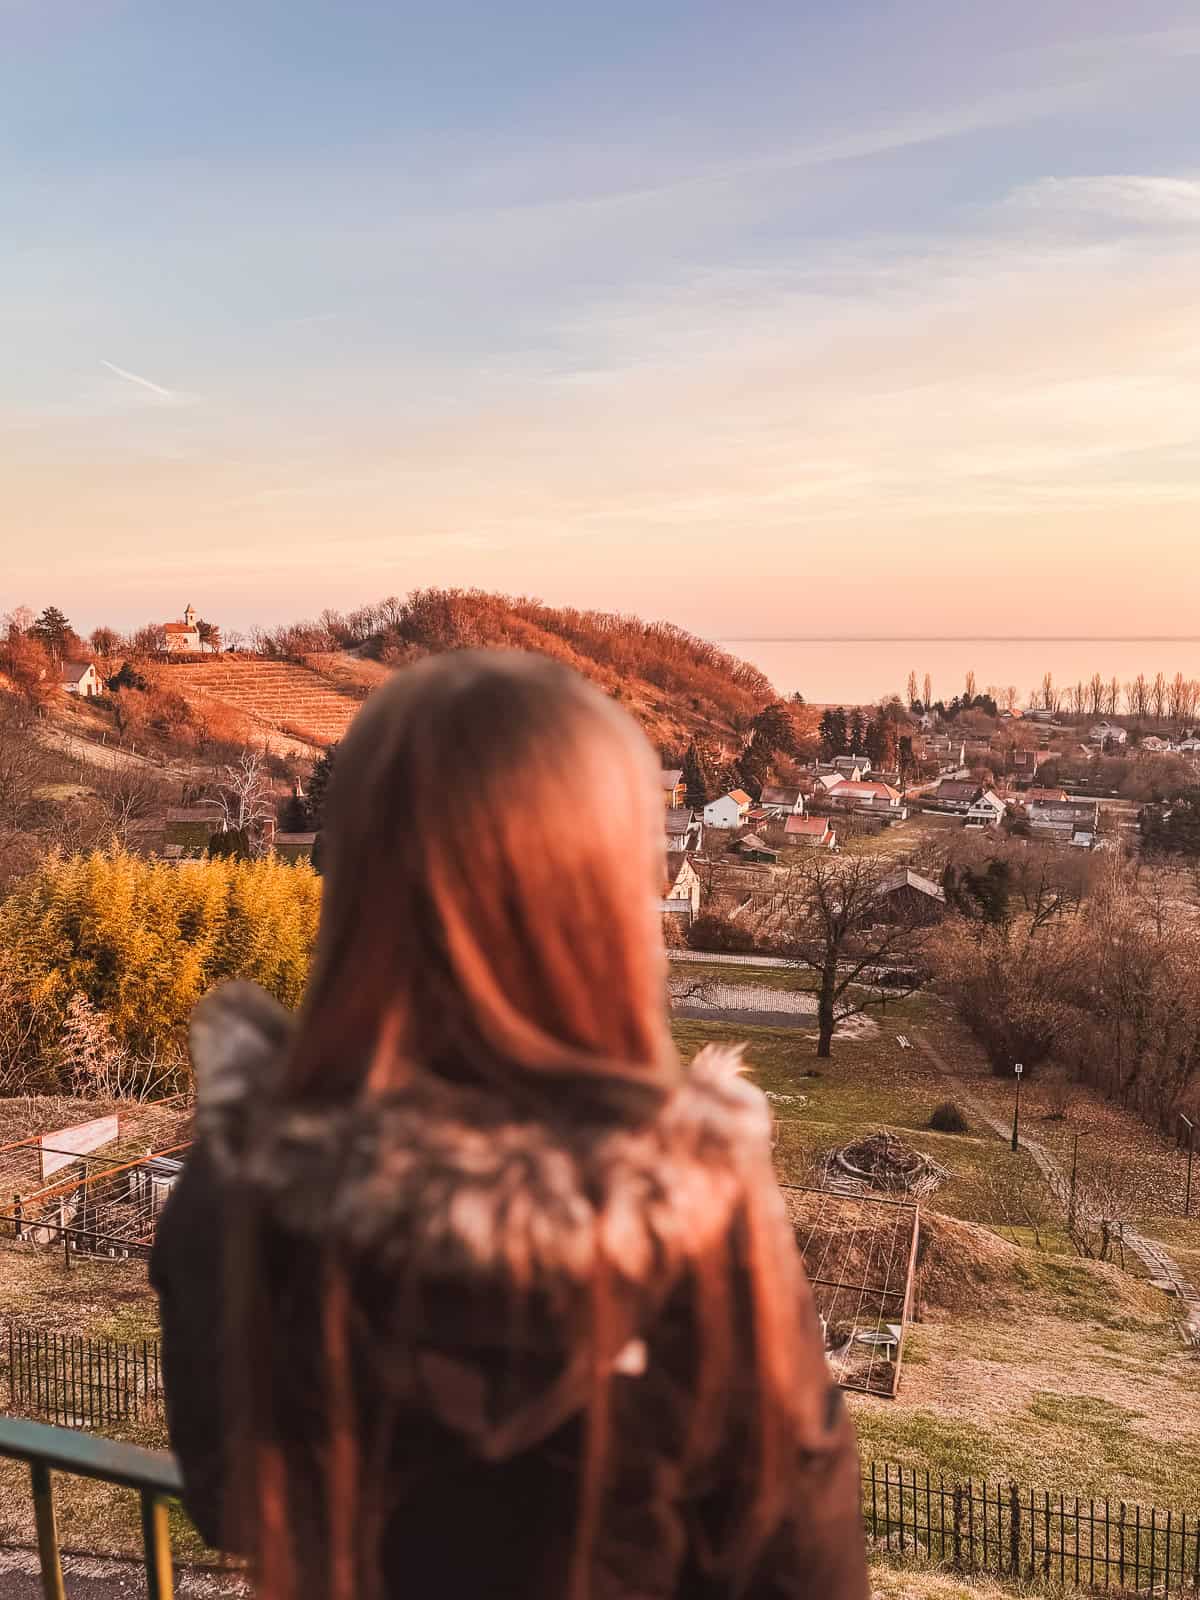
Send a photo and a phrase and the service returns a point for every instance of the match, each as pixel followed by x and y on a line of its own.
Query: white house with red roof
pixel 183 638
pixel 729 811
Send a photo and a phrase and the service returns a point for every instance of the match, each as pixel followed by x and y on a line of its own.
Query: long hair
pixel 493 855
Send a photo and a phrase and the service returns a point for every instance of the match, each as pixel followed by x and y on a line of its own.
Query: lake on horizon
pixel 835 671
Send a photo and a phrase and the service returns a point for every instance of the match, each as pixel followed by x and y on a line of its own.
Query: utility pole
pixel 1191 1152
pixel 1016 1140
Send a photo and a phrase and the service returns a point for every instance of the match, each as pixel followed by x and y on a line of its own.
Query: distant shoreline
pixel 960 638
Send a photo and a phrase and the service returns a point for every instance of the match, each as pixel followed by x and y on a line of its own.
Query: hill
pixel 309 678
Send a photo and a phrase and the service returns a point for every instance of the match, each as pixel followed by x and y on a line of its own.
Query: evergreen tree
pixel 858 733
pixel 54 631
pixel 753 767
pixel 833 732
pixel 295 815
pixel 318 786
pixel 697 779
pixel 127 677
pixel 774 727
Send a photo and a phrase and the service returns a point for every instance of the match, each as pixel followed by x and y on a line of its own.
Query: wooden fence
pixel 1029 1534
pixel 81 1383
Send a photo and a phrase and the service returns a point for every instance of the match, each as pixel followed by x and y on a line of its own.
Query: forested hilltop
pixel 676 684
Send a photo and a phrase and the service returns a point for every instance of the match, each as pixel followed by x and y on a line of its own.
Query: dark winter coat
pixel 431 1200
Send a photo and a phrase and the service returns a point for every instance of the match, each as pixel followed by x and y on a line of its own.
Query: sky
pixel 772 318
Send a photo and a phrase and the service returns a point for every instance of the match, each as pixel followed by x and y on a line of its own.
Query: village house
pixel 866 796
pixel 81 678
pixel 1106 733
pixel 681 887
pixel 782 800
pixel 729 811
pixel 1157 746
pixel 827 776
pixel 674 789
pixel 956 794
pixel 1076 822
pixel 852 765
pixel 1054 796
pixel 814 831
pixel 685 830
pixel 987 812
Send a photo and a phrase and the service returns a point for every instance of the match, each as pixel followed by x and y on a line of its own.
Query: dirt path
pixel 1162 1267
pixel 90 1578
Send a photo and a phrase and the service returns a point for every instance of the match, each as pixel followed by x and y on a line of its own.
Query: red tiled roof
pixel 740 795
pixel 817 826
pixel 178 627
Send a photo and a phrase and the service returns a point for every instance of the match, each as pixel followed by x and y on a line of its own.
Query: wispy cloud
pixel 145 383
pixel 1121 197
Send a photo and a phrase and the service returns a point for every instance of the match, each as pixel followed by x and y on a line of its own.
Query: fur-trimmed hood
pixel 454 1207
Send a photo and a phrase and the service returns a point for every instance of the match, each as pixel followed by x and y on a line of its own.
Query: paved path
pixel 1161 1266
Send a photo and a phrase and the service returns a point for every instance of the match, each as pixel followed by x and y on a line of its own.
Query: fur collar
pixel 445 1168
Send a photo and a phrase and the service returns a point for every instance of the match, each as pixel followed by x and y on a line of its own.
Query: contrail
pixel 132 377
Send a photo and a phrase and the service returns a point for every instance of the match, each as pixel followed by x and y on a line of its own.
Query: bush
pixel 141 941
pixel 718 933
pixel 947 1118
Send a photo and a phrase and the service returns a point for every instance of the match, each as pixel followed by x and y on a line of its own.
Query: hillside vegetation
pixel 677 685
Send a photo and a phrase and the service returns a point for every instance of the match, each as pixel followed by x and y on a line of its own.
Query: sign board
pixel 68 1144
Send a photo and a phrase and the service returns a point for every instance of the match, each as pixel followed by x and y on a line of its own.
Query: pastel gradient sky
pixel 773 317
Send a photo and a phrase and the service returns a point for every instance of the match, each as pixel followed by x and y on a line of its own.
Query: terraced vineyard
pixel 282 693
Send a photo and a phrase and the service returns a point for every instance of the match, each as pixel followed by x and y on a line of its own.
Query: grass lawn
pixel 1069 1375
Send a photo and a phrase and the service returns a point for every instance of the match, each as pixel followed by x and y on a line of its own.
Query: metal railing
pixel 78 1382
pixel 152 1474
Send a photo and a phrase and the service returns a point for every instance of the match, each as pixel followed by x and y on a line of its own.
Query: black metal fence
pixel 82 1383
pixel 1029 1534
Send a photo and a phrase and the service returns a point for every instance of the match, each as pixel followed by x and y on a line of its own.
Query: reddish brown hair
pixel 494 857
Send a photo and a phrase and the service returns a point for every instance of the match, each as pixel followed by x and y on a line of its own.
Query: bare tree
pixel 912 687
pixel 969 684
pixel 25 764
pixel 1095 694
pixel 928 694
pixel 1049 696
pixel 1112 697
pixel 845 918
pixel 1158 696
pixel 245 795
pixel 128 793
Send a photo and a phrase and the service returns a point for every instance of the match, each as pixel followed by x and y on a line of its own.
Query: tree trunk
pixel 825 1013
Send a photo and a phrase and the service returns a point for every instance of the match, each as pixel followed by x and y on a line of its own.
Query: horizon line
pixel 959 638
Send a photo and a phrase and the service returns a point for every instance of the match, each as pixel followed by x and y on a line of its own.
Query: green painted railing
pixel 152 1474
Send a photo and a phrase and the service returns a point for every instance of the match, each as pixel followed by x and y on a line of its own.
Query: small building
pixel 294 846
pixel 183 638
pixel 752 847
pixel 681 887
pixel 782 800
pixel 189 828
pixel 1051 796
pixel 81 678
pixel 987 812
pixel 1025 763
pixel 815 831
pixel 1157 746
pixel 906 896
pixel 956 794
pixel 729 811
pixel 1106 733
pixel 685 829
pixel 674 788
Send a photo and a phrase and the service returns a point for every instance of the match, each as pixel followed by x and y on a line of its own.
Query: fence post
pixel 1014 1530
pixel 958 1526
